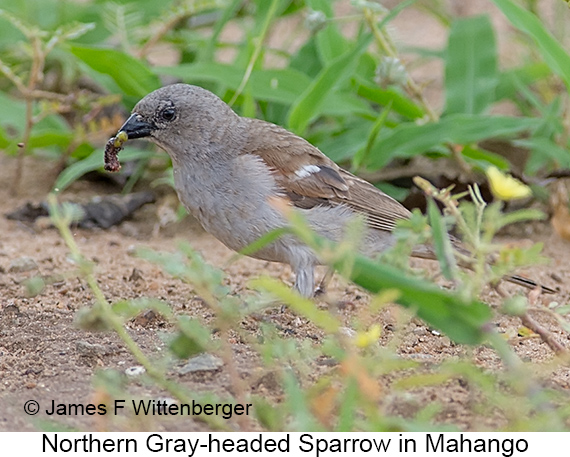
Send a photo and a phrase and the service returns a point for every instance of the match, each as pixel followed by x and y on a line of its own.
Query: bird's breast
pixel 231 199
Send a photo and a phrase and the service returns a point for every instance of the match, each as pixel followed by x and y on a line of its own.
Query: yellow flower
pixel 505 187
pixel 365 339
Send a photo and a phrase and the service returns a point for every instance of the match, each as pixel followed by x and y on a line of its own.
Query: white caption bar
pixel 297 444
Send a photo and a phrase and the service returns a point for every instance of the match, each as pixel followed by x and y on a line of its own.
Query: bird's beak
pixel 135 127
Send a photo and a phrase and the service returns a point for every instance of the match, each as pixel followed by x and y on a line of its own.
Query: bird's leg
pixel 322 287
pixel 305 280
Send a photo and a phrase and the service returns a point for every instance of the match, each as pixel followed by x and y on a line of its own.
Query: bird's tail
pixel 529 283
pixel 427 252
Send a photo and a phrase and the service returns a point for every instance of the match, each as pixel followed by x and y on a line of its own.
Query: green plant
pixel 351 94
pixel 347 396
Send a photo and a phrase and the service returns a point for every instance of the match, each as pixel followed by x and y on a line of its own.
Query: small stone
pixel 556 277
pixel 129 229
pixel 164 402
pixel 135 371
pixel 22 264
pixel 87 349
pixel 420 331
pixel 146 318
pixel 346 331
pixel 10 309
pixel 202 362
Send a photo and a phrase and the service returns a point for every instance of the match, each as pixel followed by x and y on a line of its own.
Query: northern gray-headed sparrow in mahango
pixel 227 168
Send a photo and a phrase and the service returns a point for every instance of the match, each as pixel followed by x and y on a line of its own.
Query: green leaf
pixel 471 66
pixel 330 41
pixel 225 74
pixel 348 406
pixel 344 104
pixel 527 214
pixel 12 113
pixel 299 304
pixel 459 317
pixel 269 415
pixel 130 308
pixel 409 139
pixel 226 15
pixel 510 80
pixel 50 137
pixel 441 242
pixel 4 140
pixel 542 149
pixel 34 286
pixel 131 75
pixel 395 11
pixel 483 158
pixel 49 131
pixel 309 103
pixel 343 145
pixel 281 86
pixel 397 193
pixel 307 59
pixel 298 404
pixel 362 153
pixel 264 240
pixel 399 102
pixel 553 52
pixel 193 338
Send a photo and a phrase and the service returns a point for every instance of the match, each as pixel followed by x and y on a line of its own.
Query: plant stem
pixel 110 318
pixel 256 52
pixel 386 46
pixel 36 73
pixel 544 334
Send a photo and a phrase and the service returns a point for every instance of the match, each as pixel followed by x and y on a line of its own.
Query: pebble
pixel 202 362
pixel 22 264
pixel 135 371
pixel 87 349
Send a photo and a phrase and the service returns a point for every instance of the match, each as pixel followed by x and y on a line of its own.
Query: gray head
pixel 178 117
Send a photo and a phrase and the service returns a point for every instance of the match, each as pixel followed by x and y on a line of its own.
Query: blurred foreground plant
pixel 348 394
pixel 105 316
pixel 479 223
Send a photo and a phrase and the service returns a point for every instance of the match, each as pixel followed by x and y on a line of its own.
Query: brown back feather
pixel 286 153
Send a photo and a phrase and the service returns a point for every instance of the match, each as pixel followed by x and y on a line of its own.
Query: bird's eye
pixel 168 114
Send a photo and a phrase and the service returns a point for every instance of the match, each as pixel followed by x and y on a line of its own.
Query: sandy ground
pixel 45 357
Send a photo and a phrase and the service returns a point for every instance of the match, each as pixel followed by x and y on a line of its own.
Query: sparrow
pixel 228 168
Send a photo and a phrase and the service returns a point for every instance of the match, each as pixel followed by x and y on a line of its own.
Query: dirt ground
pixel 44 357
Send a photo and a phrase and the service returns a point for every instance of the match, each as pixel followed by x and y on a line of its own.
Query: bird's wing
pixel 381 211
pixel 309 178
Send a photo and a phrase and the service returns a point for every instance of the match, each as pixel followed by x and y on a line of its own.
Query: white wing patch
pixel 307 170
